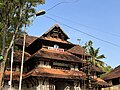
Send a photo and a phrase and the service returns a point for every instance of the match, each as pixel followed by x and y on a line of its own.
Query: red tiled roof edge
pixel 57 73
pixel 115 73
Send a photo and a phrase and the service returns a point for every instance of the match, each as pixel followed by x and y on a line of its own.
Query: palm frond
pixel 101 56
pixel 102 64
pixel 91 51
pixel 99 61
pixel 90 43
pixel 96 51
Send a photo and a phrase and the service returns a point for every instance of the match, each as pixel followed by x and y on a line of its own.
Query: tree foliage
pixel 95 57
pixel 14 14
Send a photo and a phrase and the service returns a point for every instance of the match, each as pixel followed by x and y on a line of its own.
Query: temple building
pixel 51 62
pixel 113 78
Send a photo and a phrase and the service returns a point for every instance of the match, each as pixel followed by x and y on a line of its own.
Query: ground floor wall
pixel 39 83
pixel 47 84
pixel 115 87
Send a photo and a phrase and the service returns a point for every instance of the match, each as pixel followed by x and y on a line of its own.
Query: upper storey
pixel 54 38
pixel 55 32
pixel 55 35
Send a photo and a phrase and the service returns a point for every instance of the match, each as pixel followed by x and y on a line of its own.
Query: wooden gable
pixel 56 32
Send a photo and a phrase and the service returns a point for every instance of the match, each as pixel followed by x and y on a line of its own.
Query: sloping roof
pixel 100 83
pixel 57 73
pixel 47 72
pixel 92 68
pixel 115 73
pixel 18 56
pixel 16 75
pixel 77 50
pixel 55 26
pixel 28 41
pixel 52 54
pixel 55 40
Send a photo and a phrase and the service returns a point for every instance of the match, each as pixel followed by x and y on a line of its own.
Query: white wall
pixel 115 87
pixel 47 65
pixel 74 67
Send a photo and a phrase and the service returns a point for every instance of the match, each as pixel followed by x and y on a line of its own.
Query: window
pixel 58 65
pixel 56 46
pixel 115 81
pixel 54 35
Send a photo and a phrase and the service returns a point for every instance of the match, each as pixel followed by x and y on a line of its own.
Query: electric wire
pixel 105 41
pixel 113 34
pixel 60 4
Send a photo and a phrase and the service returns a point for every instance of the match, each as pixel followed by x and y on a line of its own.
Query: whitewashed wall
pixel 115 87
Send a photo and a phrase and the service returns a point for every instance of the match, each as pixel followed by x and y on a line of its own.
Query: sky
pixel 96 20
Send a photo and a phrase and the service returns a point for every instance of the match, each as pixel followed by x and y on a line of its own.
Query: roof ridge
pixel 55 25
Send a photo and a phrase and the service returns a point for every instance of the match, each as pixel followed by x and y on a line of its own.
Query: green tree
pixel 14 14
pixel 95 57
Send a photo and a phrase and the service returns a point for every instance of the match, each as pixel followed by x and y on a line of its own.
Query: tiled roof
pixel 47 72
pixel 56 26
pixel 92 68
pixel 16 75
pixel 18 56
pixel 52 54
pixel 100 83
pixel 55 39
pixel 115 73
pixel 29 40
pixel 57 73
pixel 77 50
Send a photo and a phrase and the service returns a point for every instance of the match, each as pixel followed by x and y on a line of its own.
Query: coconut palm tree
pixel 95 57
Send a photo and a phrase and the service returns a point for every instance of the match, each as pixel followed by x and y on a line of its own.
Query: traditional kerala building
pixel 52 63
pixel 113 78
